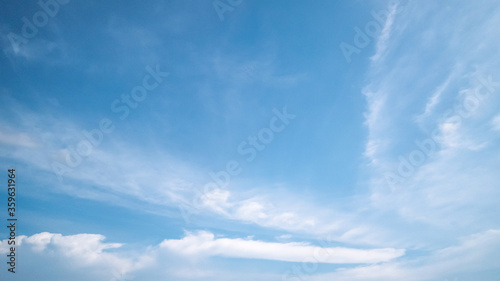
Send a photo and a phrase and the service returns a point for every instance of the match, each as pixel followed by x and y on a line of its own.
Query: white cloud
pixel 17 139
pixel 375 122
pixel 278 211
pixel 383 39
pixel 110 174
pixel 251 210
pixel 435 98
pixel 205 244
pixel 284 237
pixel 438 200
pixel 475 254
pixel 51 256
pixel 495 123
pixel 76 257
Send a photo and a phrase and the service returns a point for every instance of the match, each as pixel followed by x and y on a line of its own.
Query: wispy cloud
pixel 439 189
pixel 16 139
pixel 205 244
pixel 384 37
pixel 475 254
pixel 435 98
pixel 496 123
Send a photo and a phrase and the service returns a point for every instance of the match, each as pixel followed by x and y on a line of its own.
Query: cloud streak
pixel 205 244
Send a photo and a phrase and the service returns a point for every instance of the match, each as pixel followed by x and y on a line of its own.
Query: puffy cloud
pixel 53 256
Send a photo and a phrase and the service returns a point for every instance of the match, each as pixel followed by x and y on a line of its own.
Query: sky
pixel 251 140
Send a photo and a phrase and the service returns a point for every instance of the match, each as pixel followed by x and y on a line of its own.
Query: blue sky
pixel 249 140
